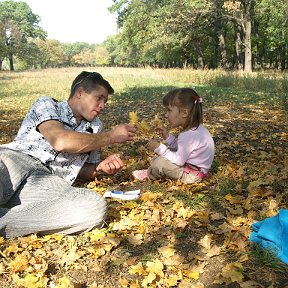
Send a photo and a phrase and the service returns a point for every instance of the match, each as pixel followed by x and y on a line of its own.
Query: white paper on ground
pixel 128 195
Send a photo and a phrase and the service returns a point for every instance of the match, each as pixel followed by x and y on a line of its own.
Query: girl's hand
pixel 153 144
pixel 163 131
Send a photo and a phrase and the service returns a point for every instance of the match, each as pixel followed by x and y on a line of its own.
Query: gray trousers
pixel 161 168
pixel 32 200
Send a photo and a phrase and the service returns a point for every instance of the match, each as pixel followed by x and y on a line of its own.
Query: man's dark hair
pixel 89 81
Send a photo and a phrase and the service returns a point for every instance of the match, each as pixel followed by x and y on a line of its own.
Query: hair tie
pixel 198 99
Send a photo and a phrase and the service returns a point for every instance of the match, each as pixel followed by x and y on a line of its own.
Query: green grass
pixel 266 258
pixel 130 84
pixel 194 202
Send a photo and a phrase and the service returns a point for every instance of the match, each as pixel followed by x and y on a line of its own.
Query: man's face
pixel 91 104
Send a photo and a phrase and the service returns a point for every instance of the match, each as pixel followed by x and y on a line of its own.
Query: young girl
pixel 188 156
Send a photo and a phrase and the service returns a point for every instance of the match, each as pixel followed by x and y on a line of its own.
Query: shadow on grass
pixel 252 90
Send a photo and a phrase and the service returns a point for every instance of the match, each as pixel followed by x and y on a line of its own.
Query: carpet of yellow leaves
pixel 174 235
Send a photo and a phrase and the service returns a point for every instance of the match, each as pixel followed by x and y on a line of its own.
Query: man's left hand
pixel 111 164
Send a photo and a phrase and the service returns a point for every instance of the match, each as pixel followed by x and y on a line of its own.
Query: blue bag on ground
pixel 272 234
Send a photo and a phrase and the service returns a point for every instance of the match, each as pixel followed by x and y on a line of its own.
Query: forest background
pixel 244 35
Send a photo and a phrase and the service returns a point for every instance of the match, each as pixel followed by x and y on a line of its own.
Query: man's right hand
pixel 123 132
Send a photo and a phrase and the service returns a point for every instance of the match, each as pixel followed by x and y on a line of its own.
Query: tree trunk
pixel 10 57
pixel 200 61
pixel 247 45
pixel 1 62
pixel 238 50
pixel 223 52
pixel 220 35
pixel 248 6
pixel 283 57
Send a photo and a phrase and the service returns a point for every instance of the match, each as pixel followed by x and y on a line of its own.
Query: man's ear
pixel 79 92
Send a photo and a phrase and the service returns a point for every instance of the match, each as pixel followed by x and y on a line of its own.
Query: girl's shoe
pixel 140 175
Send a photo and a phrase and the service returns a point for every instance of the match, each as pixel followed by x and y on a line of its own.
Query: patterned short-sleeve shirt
pixel 30 141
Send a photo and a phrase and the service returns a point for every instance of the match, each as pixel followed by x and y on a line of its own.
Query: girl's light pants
pixel 32 200
pixel 161 168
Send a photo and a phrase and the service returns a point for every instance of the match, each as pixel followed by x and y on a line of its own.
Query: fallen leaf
pixel 137 269
pixel 20 263
pixel 166 251
pixel 135 239
pixel 156 267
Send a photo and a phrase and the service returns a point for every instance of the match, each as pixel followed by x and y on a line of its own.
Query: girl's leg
pixel 162 168
pixel 48 204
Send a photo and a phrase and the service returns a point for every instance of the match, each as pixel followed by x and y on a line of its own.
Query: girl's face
pixel 176 116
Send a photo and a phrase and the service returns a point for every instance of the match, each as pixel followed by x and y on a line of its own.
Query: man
pixel 58 142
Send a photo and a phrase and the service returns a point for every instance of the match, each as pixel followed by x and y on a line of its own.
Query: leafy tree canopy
pixel 18 24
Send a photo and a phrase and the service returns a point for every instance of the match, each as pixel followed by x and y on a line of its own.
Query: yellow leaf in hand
pixel 133 117
pixel 156 122
pixel 2 240
pixel 143 126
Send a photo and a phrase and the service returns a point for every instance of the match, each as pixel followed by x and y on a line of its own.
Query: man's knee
pixel 6 186
pixel 94 211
